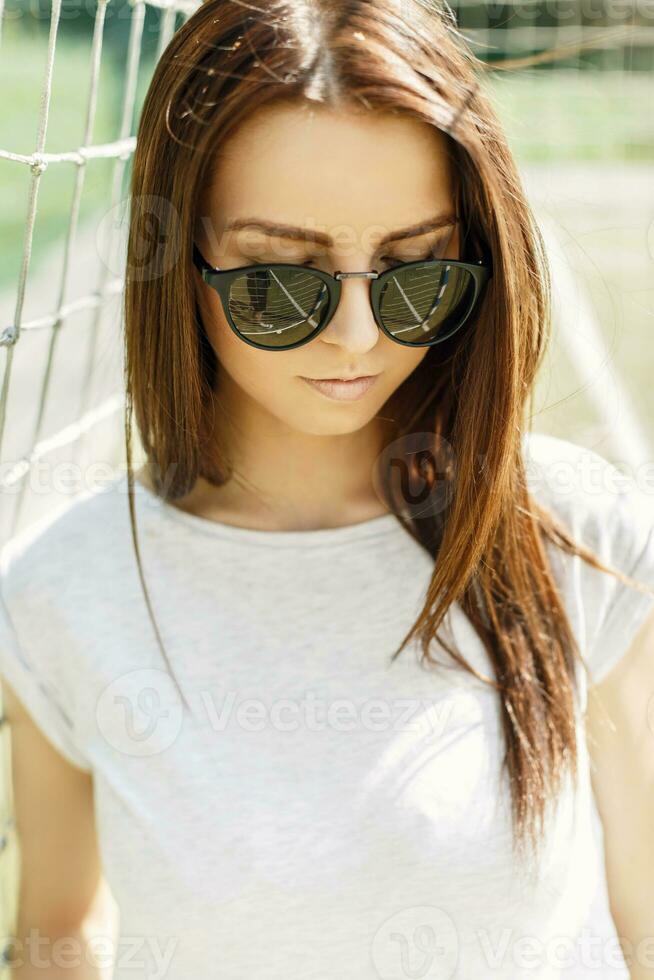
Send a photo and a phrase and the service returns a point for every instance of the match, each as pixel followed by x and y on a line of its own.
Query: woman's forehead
pixel 281 141
pixel 343 175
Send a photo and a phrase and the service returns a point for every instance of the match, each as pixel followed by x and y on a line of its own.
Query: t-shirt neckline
pixel 309 538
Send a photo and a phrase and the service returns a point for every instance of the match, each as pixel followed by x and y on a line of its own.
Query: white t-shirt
pixel 326 814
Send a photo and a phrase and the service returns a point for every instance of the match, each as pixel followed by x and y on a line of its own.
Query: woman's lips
pixel 346 391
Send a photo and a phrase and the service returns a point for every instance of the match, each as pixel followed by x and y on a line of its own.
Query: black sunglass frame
pixel 221 280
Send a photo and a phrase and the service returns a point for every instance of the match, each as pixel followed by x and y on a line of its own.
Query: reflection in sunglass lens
pixel 274 306
pixel 277 307
pixel 425 302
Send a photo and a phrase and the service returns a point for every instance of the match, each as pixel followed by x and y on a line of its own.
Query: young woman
pixel 347 733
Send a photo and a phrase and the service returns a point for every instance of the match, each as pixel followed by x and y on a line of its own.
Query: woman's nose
pixel 353 325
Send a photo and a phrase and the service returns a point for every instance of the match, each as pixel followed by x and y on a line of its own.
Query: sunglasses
pixel 280 306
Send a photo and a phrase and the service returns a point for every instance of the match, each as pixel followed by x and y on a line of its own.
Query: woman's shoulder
pixel 56 576
pixel 609 505
pixel 562 469
pixel 69 543
pixel 609 508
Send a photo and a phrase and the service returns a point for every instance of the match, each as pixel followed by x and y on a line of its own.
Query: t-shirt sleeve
pixel 612 513
pixel 32 670
pixel 619 609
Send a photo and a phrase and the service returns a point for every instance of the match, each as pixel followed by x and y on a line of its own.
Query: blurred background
pixel 72 78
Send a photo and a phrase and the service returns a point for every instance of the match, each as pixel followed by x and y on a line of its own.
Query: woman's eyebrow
pixel 319 238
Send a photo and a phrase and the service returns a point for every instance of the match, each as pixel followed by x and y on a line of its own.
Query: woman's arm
pixel 620 729
pixel 60 876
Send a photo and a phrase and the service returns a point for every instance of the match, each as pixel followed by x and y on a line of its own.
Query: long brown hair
pixel 230 58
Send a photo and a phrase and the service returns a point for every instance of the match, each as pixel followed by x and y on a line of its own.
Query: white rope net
pixel 107 287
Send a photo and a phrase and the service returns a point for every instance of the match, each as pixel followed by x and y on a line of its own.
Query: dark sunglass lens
pixel 277 307
pixel 427 302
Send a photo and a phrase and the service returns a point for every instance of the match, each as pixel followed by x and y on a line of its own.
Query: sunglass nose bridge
pixel 356 275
